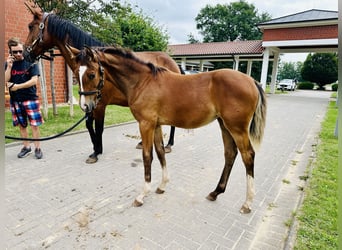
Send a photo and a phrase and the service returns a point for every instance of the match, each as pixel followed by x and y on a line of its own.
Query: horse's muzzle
pixel 29 56
pixel 88 107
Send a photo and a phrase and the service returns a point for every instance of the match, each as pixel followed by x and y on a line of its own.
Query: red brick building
pixel 17 18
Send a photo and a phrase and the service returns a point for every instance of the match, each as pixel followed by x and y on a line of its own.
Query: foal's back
pixel 191 101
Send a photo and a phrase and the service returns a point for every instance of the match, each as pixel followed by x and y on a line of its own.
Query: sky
pixel 177 17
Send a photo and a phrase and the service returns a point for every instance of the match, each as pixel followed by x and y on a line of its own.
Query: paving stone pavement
pixel 60 202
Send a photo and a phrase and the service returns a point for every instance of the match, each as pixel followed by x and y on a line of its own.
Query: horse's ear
pixel 89 52
pixel 34 8
pixel 73 52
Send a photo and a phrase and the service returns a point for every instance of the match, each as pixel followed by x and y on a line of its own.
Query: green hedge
pixel 334 87
pixel 306 85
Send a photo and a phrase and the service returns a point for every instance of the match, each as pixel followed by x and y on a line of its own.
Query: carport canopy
pixel 305 32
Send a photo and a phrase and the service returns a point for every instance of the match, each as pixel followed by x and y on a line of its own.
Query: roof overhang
pixel 314 45
pixel 221 58
pixel 298 24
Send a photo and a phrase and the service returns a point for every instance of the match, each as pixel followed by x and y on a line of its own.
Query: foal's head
pixel 90 75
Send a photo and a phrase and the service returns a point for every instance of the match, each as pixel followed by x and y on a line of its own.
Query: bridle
pixel 99 85
pixel 39 39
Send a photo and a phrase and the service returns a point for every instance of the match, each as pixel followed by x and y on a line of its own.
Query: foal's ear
pixel 89 52
pixel 34 8
pixel 73 52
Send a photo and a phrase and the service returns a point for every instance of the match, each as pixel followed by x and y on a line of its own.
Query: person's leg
pixel 36 119
pixel 26 150
pixel 20 120
pixel 36 135
pixel 24 134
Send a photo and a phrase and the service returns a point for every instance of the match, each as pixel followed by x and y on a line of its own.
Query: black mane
pixel 127 53
pixel 77 38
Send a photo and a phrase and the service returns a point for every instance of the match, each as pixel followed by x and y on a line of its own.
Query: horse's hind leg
pixel 159 147
pixel 230 152
pixel 147 135
pixel 171 140
pixel 247 154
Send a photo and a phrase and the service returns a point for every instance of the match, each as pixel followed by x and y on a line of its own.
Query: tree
pixel 290 70
pixel 192 39
pixel 111 22
pixel 225 22
pixel 321 68
pixel 141 33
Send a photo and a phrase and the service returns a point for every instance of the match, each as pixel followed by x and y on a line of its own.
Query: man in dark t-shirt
pixel 21 78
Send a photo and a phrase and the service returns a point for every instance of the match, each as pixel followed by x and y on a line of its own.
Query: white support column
pixel 183 63
pixel 274 71
pixel 237 61
pixel 249 67
pixel 201 63
pixel 264 68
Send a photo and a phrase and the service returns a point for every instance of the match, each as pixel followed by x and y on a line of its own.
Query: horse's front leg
pixel 96 136
pixel 91 131
pixel 159 148
pixel 147 135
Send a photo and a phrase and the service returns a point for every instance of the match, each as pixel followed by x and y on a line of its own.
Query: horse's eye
pixel 30 27
pixel 91 76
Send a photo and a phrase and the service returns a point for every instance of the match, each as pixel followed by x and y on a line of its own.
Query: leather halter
pixel 39 39
pixel 99 85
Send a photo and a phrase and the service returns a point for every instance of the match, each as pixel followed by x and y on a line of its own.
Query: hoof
pixel 92 159
pixel 159 191
pixel 212 196
pixel 245 210
pixel 139 145
pixel 137 203
pixel 168 149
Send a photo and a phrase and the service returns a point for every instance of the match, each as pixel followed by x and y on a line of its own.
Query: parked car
pixel 287 84
pixel 190 72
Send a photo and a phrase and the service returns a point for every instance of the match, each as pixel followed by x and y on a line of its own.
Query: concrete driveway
pixel 62 202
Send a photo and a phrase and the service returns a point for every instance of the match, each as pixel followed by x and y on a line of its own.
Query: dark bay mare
pixel 47 31
pixel 157 96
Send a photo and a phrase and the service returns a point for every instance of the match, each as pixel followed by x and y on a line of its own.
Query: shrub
pixel 306 85
pixel 334 87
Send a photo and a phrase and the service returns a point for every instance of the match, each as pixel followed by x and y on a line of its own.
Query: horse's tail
pixel 257 127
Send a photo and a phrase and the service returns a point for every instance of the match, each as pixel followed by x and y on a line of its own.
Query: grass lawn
pixel 318 214
pixel 62 121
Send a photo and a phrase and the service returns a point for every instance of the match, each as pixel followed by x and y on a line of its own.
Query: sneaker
pixel 24 152
pixel 38 153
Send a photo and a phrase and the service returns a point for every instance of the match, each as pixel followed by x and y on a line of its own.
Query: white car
pixel 190 72
pixel 287 84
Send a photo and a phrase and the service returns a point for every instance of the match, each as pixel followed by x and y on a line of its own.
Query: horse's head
pixel 37 41
pixel 90 76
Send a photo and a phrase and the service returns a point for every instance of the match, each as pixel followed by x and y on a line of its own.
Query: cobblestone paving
pixel 60 202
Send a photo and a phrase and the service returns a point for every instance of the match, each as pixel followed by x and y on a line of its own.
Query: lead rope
pixel 50 137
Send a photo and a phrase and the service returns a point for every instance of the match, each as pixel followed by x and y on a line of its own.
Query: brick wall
pixel 17 17
pixel 301 33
